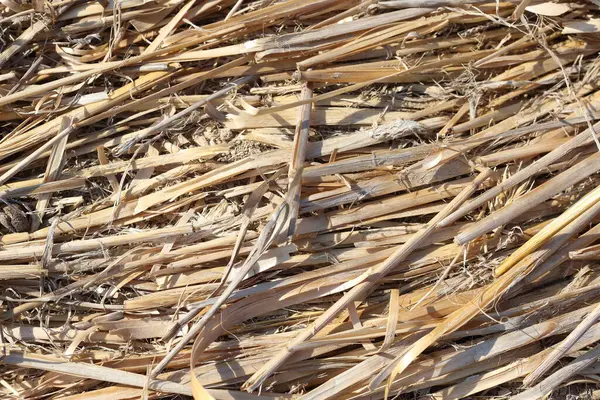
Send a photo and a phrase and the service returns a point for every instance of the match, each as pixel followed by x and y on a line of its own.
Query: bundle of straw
pixel 299 199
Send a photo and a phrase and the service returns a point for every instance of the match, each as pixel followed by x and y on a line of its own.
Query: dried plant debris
pixel 299 199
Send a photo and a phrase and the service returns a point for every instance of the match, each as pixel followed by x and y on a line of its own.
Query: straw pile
pixel 314 199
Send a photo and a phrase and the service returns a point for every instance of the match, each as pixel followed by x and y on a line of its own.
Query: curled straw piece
pixel 268 234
